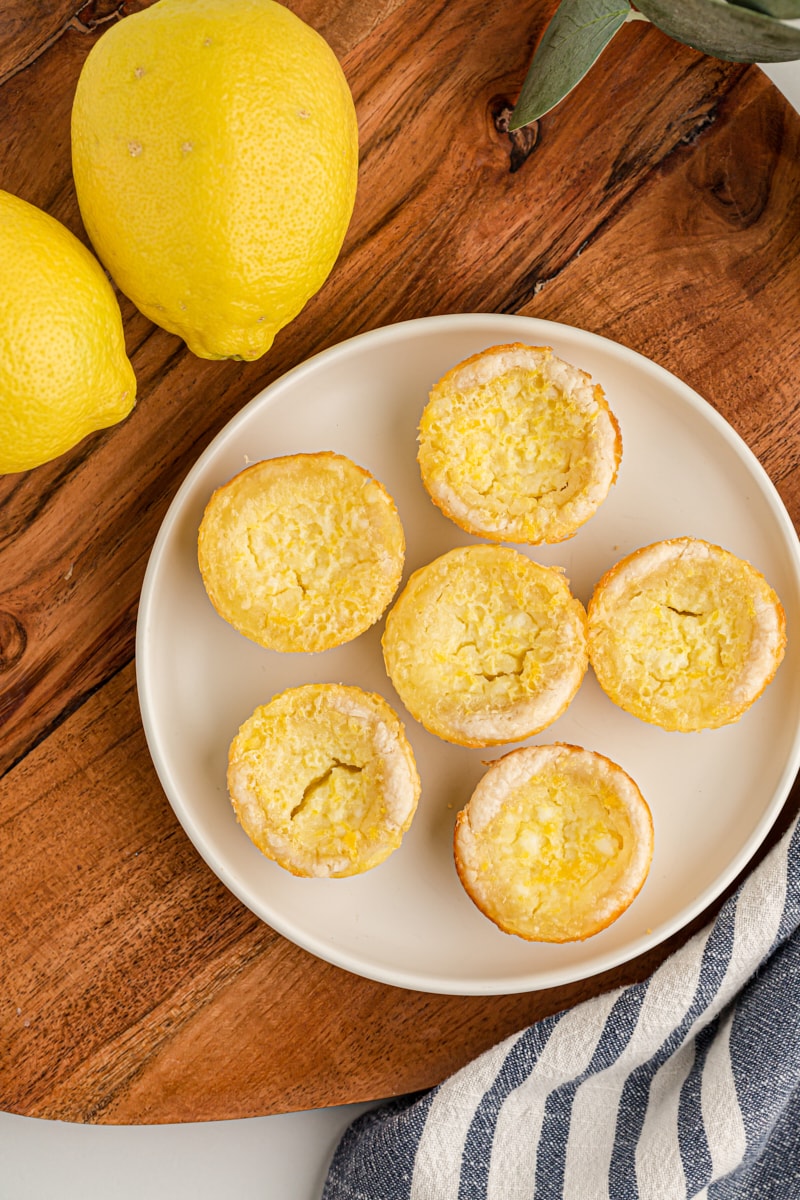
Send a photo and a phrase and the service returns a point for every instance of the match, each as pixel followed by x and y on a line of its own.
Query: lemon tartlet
pixel 323 780
pixel 485 646
pixel 301 553
pixel 685 634
pixel 554 844
pixel 517 445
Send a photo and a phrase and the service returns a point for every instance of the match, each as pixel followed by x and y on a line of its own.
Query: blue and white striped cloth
pixel 686 1085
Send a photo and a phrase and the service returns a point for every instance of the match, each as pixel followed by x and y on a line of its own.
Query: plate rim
pixel 401 977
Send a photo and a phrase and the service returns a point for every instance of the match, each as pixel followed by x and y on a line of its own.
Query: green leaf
pixel 573 41
pixel 784 10
pixel 724 30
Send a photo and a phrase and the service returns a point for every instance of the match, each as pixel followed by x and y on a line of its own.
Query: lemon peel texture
pixel 215 156
pixel 64 372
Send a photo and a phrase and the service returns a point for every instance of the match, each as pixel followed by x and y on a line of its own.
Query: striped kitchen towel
pixel 686 1085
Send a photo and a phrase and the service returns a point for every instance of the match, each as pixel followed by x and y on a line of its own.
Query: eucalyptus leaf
pixel 575 38
pixel 783 10
pixel 723 30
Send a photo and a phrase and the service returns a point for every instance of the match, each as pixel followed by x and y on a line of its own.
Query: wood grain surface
pixel 658 205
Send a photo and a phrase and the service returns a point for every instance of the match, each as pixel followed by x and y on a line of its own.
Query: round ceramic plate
pixel 713 795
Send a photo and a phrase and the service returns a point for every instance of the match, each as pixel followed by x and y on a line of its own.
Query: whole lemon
pixel 215 155
pixel 63 367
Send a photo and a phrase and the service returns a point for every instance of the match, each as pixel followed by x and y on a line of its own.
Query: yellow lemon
pixel 215 155
pixel 63 367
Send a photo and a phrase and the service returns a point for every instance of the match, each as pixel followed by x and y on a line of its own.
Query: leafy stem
pixel 579 31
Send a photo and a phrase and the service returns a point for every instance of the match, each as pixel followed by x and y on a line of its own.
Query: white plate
pixel 408 922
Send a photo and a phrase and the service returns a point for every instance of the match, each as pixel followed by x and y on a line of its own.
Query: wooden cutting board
pixel 658 206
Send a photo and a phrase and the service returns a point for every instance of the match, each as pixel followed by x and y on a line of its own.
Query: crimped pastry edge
pixel 391 743
pixel 513 723
pixel 766 654
pixel 302 643
pixel 483 367
pixel 512 770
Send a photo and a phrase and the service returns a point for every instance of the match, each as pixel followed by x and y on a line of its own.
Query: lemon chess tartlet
pixel 301 553
pixel 484 646
pixel 554 844
pixel 323 780
pixel 685 635
pixel 517 445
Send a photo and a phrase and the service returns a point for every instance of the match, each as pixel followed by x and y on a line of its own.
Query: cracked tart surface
pixel 685 635
pixel 323 780
pixel 485 646
pixel 517 445
pixel 554 844
pixel 302 552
